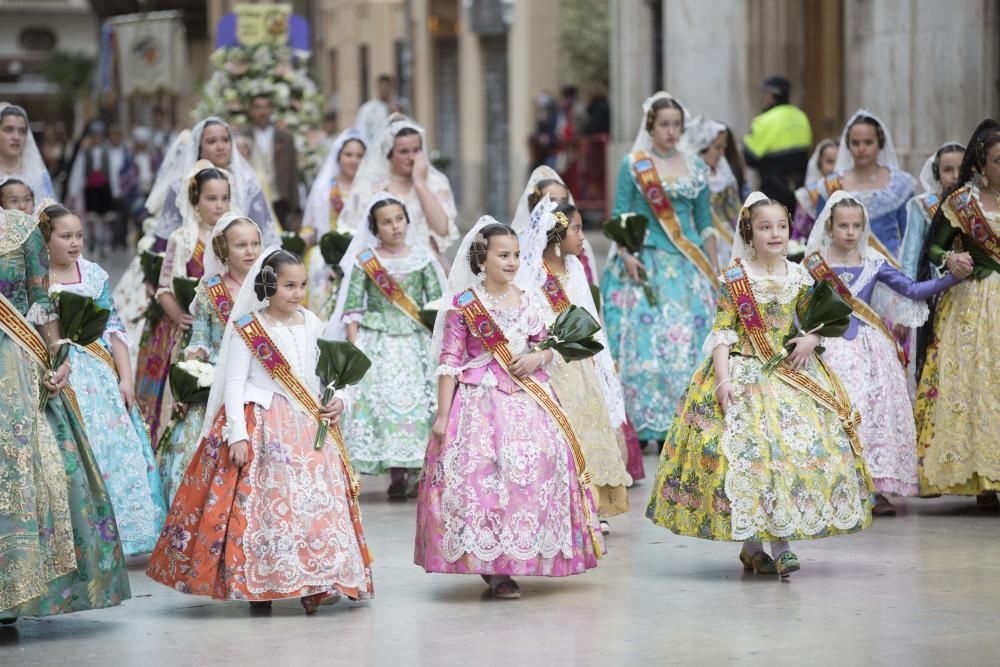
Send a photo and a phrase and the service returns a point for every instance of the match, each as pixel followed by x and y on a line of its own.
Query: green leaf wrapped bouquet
pixel 628 230
pixel 340 364
pixel 822 312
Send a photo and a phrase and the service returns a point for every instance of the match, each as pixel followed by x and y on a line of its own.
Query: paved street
pixel 918 589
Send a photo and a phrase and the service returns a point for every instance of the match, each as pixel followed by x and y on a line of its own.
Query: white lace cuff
pixel 709 232
pixel 122 336
pixel 349 318
pixel 448 370
pixel 908 312
pixel 717 338
pixel 38 315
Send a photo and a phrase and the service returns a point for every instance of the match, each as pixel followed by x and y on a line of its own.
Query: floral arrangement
pixel 242 71
pixel 190 381
pixel 81 322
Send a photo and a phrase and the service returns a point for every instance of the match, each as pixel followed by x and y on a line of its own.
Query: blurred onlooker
pixel 275 157
pixel 93 183
pixel 571 120
pixel 779 142
pixel 162 130
pixel 139 174
pixel 543 141
pixel 598 113
pixel 373 113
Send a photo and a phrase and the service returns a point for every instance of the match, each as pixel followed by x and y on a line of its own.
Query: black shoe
pixel 397 489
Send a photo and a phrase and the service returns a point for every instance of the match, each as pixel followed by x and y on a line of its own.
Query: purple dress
pixel 499 493
pixel 867 364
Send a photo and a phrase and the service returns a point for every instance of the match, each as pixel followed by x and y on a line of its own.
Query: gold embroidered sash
pixel 972 221
pixel 483 327
pixel 553 290
pixel 837 401
pixel 389 288
pixel 820 270
pixel 648 181
pixel 22 332
pixel 220 297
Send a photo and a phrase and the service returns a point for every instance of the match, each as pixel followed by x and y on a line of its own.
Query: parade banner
pixel 152 53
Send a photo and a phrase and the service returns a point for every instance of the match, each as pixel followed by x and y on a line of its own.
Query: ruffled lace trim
pixel 471 364
pixel 39 315
pixel 717 338
pixel 897 308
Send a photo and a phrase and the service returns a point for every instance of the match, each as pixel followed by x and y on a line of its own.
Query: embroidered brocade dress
pixel 59 546
pixel 866 362
pixel 180 440
pixel 160 337
pixel 886 206
pixel 499 492
pixel 958 401
pixel 118 437
pixel 393 406
pixel 778 466
pixel 280 526
pixel 657 347
pixel 578 389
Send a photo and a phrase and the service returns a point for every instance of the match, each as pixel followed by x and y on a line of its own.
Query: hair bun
pixel 265 285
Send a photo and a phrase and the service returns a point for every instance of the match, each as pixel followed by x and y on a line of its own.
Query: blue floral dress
pixel 118 437
pixel 658 347
pixel 886 206
pixel 180 441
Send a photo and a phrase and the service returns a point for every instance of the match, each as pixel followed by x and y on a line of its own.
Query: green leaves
pixel 340 364
pixel 572 335
pixel 333 246
pixel 293 243
pixel 628 230
pixel 184 291
pixel 152 263
pixel 821 311
pixel 185 386
pixel 81 320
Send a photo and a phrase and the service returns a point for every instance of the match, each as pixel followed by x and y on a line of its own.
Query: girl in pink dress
pixel 503 491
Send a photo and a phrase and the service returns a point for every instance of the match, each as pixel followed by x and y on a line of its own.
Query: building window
pixel 37 39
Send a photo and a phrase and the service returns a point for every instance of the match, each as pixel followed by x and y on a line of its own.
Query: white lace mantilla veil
pixel 886 156
pixel 246 188
pixel 930 184
pixel 172 169
pixel 740 249
pixel 531 277
pixel 885 301
pixel 214 265
pixel 32 169
pixel 363 240
pixel 813 172
pixel 522 213
pixel 317 211
pixel 374 176
pixel 643 140
pixel 460 279
pixel 246 302
pixel 190 227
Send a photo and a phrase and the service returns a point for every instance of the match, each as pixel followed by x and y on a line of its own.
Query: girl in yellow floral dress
pixel 760 458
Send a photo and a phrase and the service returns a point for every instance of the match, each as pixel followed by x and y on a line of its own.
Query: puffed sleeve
pixel 453 344
pixel 201 330
pixel 115 327
pixel 624 189
pixel 237 373
pixel 41 310
pixel 165 283
pixel 354 305
pixel 724 328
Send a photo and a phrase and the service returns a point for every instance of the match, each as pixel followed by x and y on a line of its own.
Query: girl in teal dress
pixel 234 247
pixel 102 381
pixel 657 346
pixel 59 546
pixel 393 405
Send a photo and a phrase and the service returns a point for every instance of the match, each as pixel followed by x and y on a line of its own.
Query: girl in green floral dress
pixel 59 546
pixel 760 458
pixel 390 276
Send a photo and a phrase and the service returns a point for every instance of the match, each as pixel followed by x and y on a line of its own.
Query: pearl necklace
pixel 494 302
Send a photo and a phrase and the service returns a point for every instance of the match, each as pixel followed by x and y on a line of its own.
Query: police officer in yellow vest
pixel 778 144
